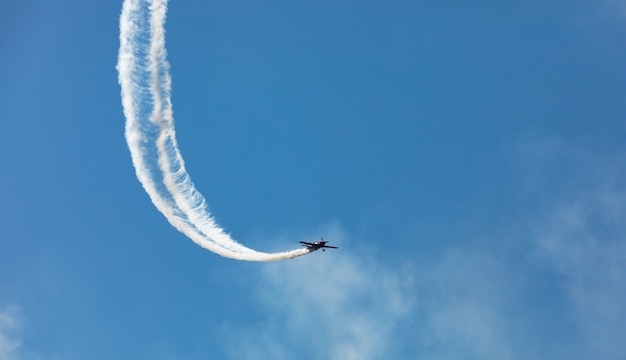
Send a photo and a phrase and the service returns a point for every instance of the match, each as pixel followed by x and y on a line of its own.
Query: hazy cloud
pixel 580 235
pixel 585 242
pixel 327 305
pixel 465 302
pixel 9 324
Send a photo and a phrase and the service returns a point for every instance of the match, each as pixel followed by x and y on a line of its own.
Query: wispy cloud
pixel 585 242
pixel 348 305
pixel 9 324
pixel 580 235
pixel 327 305
pixel 466 301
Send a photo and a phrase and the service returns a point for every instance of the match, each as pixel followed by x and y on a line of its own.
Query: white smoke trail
pixel 146 87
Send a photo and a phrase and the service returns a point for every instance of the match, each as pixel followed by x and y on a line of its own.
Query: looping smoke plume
pixel 146 97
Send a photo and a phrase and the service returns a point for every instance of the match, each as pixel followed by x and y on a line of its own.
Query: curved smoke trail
pixel 146 87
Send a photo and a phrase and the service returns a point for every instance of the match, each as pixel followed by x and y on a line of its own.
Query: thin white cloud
pixel 466 298
pixel 340 305
pixel 585 242
pixel 330 305
pixel 9 324
pixel 580 234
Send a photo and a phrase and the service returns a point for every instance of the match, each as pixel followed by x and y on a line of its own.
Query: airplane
pixel 317 245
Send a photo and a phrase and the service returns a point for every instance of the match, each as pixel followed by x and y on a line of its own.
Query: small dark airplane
pixel 317 245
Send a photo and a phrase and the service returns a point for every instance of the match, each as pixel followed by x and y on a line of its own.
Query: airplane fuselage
pixel 317 245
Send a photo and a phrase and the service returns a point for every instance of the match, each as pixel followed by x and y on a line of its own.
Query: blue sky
pixel 468 160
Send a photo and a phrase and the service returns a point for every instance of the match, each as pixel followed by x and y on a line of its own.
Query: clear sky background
pixel 468 160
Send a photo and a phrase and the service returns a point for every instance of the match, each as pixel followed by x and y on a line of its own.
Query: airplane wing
pixel 307 243
pixel 330 247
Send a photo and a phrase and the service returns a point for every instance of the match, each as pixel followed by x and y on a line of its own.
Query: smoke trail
pixel 146 87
